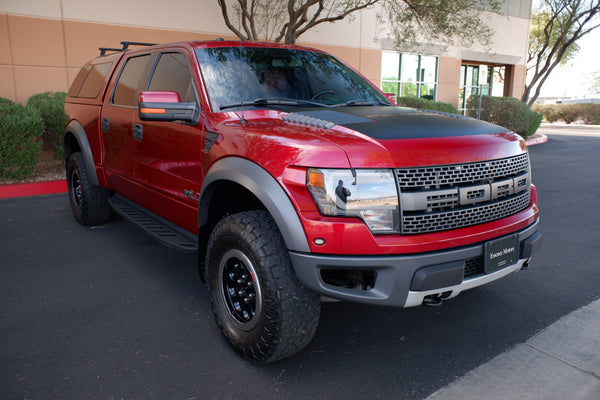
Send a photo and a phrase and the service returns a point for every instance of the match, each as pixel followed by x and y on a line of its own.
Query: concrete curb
pixel 560 362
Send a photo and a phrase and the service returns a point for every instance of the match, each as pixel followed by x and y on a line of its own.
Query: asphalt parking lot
pixel 107 313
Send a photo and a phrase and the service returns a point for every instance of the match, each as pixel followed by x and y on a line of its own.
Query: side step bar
pixel 162 230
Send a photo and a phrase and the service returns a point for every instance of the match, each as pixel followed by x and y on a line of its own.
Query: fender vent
pixel 307 120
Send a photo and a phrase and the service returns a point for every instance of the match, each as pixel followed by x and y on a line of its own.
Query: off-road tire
pixel 246 252
pixel 88 202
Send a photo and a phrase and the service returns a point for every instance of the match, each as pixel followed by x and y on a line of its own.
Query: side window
pixel 78 82
pixel 173 74
pixel 95 80
pixel 132 80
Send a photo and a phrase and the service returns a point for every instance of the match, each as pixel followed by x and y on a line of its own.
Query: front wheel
pixel 262 310
pixel 88 202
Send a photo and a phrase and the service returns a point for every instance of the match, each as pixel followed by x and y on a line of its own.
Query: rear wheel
pixel 88 202
pixel 262 310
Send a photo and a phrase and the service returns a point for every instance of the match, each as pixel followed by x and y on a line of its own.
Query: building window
pixel 477 80
pixel 408 75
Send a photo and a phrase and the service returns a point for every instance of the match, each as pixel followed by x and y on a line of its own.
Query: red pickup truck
pixel 294 179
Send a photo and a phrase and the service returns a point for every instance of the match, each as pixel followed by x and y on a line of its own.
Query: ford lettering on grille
pixel 446 197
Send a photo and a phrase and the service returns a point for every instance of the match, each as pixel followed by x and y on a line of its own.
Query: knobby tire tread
pixel 94 208
pixel 291 311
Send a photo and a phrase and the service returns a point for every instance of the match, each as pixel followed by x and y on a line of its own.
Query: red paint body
pixel 171 159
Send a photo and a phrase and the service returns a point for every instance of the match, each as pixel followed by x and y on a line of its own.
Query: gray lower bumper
pixel 396 283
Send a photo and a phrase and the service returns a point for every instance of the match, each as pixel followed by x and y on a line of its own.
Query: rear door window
pixel 132 80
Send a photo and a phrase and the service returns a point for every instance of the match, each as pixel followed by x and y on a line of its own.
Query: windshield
pixel 262 77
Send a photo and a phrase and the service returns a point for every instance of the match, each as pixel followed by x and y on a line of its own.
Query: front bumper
pixel 406 280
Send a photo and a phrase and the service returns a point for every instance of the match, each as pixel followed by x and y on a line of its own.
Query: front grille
pixel 450 175
pixel 440 221
pixel 439 198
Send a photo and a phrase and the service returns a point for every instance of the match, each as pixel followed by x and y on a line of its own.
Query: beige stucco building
pixel 43 43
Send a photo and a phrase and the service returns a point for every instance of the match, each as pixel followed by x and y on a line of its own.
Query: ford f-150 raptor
pixel 294 179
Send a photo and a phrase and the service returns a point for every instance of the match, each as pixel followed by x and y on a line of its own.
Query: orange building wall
pixel 40 54
pixel 519 76
pixel 448 80
pixel 44 54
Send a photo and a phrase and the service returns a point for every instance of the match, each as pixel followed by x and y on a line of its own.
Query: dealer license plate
pixel 501 253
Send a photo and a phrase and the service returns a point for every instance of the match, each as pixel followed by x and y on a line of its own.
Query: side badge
pixel 190 194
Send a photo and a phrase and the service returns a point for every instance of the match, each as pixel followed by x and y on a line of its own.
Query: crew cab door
pixel 167 154
pixel 118 112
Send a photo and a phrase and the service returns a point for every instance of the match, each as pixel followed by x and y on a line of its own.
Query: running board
pixel 159 228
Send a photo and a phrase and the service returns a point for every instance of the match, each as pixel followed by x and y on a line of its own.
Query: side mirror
pixel 165 106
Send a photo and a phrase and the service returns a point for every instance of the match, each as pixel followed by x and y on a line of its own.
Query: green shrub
pixel 4 100
pixel 20 130
pixel 589 113
pixel 547 110
pixel 52 108
pixel 426 104
pixel 508 112
pixel 567 113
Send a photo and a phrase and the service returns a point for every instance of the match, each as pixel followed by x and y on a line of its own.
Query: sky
pixel 574 79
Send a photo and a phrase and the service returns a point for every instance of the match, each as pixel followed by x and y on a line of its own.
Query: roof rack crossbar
pixel 103 50
pixel 125 47
pixel 126 44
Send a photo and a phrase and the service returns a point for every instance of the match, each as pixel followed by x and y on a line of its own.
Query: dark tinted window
pixel 78 82
pixel 173 74
pixel 132 80
pixel 244 74
pixel 95 80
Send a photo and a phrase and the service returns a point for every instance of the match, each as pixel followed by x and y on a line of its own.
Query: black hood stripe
pixel 386 123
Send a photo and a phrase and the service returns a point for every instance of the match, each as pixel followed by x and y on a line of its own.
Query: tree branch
pixel 338 17
pixel 570 26
pixel 223 5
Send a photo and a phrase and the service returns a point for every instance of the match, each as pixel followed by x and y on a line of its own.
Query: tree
pixel 555 28
pixel 596 83
pixel 440 21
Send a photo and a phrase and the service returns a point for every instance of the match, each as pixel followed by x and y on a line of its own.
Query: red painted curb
pixel 32 189
pixel 540 138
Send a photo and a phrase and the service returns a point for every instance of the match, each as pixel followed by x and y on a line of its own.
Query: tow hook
pixel 434 300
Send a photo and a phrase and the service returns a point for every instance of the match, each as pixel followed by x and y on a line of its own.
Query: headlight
pixel 370 195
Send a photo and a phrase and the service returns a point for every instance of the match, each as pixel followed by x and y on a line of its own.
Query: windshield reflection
pixel 236 75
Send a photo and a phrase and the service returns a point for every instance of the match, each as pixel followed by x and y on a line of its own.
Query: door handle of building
pixel 138 132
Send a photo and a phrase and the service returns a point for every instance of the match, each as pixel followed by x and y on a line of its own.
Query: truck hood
pixel 374 137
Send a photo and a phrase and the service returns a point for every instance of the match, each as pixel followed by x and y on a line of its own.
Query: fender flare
pixel 78 132
pixel 265 187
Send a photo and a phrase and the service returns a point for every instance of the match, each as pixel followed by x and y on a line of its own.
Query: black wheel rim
pixel 240 289
pixel 76 187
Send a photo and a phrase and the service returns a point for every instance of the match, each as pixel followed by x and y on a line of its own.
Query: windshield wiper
pixel 361 102
pixel 276 101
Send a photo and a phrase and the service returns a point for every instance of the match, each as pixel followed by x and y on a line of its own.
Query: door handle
pixel 138 132
pixel 105 125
